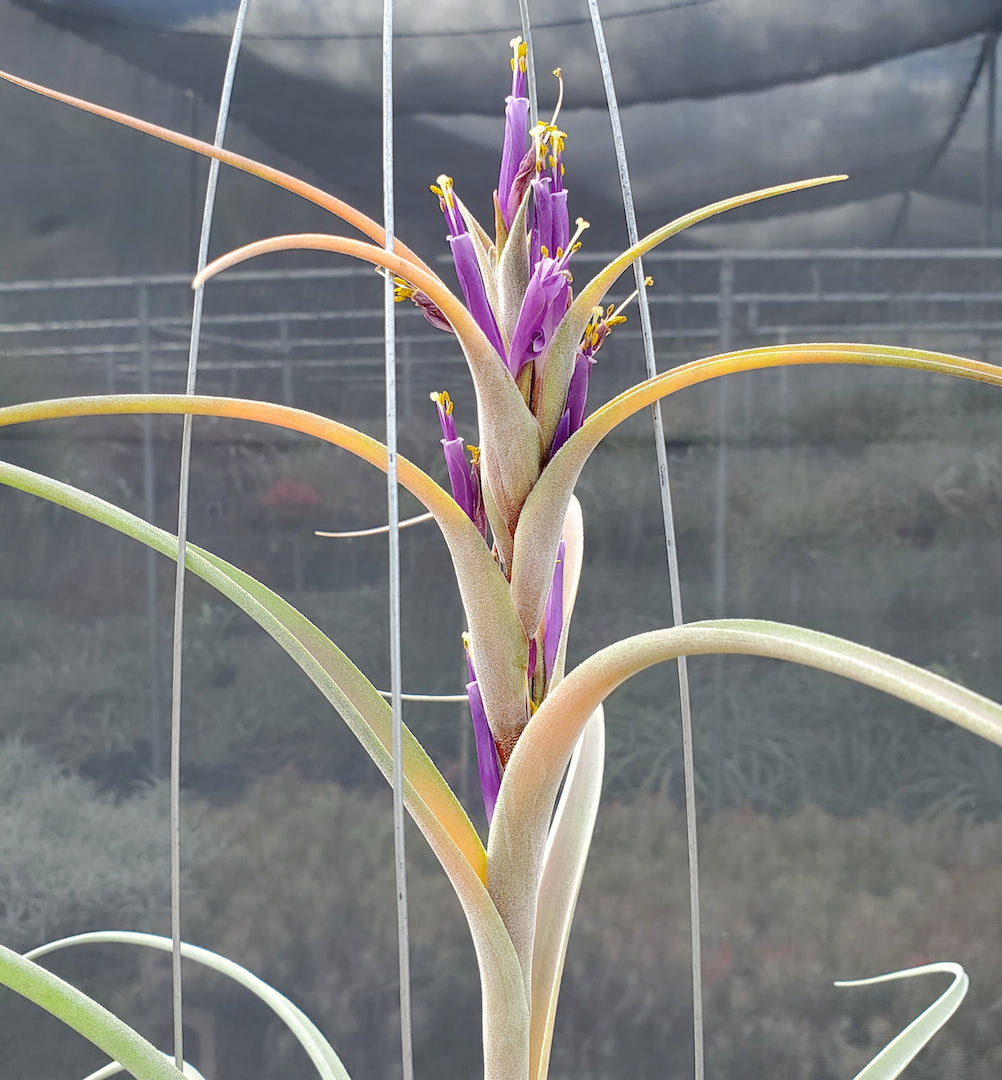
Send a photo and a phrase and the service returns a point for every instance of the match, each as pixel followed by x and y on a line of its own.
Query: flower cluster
pixel 518 288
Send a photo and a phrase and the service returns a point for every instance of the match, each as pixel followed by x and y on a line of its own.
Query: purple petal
pixel 516 132
pixel 577 390
pixel 561 222
pixel 487 755
pixel 479 515
pixel 459 474
pixel 553 615
pixel 526 171
pixel 543 306
pixel 542 222
pixel 472 285
pixel 444 404
pixel 531 669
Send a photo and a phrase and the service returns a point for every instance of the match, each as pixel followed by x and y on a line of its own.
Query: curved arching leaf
pixel 113 1069
pixel 82 1013
pixel 538 530
pixel 499 644
pixel 308 1035
pixel 560 357
pixel 892 1061
pixel 290 183
pixel 516 846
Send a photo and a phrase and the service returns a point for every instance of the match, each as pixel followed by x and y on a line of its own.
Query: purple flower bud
pixel 577 390
pixel 562 434
pixel 459 474
pixel 479 515
pixel 487 756
pixel 428 308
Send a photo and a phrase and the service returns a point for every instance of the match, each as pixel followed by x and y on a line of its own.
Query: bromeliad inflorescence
pixel 518 288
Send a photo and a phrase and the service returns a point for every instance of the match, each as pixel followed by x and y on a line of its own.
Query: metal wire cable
pixel 182 542
pixel 960 111
pixel 671 548
pixel 393 519
pixel 530 62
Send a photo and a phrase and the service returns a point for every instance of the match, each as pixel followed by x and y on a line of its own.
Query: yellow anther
pixel 443 189
pixel 544 251
pixel 533 706
pixel 466 641
pixel 442 399
pixel 402 290
pixel 648 281
pixel 474 453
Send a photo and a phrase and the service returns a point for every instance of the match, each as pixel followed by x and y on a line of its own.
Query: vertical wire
pixel 393 517
pixel 530 62
pixel 671 549
pixel 182 544
pixel 991 46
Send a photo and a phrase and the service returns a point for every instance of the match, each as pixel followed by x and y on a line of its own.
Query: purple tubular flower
pixel 553 615
pixel 543 307
pixel 467 267
pixel 474 293
pixel 464 477
pixel 516 132
pixel 487 755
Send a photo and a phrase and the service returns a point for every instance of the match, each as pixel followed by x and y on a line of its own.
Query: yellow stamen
pixel 474 453
pixel 442 399
pixel 581 226
pixel 560 97
pixel 615 315
pixel 521 50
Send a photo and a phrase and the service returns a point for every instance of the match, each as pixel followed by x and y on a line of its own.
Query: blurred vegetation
pixel 842 833
pixel 296 880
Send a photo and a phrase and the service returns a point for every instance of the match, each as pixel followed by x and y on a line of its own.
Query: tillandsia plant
pixel 515 534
